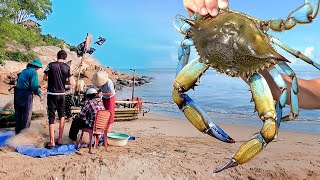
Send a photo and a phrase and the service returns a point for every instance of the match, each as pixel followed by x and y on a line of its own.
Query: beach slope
pixel 166 148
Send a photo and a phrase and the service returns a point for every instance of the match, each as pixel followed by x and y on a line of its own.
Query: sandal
pixel 47 146
pixel 59 144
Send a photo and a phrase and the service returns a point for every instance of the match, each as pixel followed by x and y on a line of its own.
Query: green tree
pixel 20 10
pixel 6 8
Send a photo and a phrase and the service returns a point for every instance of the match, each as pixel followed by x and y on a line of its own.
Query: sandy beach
pixel 165 148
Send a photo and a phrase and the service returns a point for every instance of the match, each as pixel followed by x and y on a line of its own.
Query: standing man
pixel 58 75
pixel 105 84
pixel 27 85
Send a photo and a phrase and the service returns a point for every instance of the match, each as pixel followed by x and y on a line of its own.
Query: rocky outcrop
pixel 119 79
pixel 47 54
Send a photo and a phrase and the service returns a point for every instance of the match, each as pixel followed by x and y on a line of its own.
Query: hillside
pixel 20 44
pixel 47 54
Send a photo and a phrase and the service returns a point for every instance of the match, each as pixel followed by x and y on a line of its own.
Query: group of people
pixel 95 101
pixel 59 97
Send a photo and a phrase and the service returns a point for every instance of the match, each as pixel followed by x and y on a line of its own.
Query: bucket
pixel 117 139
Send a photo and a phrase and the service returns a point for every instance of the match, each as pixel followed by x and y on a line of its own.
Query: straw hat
pixel 100 78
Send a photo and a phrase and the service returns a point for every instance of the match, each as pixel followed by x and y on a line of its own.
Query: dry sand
pixel 165 148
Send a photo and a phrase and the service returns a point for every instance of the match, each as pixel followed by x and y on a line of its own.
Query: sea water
pixel 225 99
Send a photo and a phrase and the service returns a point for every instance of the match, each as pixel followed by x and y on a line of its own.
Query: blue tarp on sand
pixel 33 151
pixel 64 149
pixel 5 135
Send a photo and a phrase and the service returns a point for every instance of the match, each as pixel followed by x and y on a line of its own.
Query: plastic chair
pixel 100 127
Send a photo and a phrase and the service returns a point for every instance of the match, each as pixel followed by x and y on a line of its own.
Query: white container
pixel 117 139
pixel 117 142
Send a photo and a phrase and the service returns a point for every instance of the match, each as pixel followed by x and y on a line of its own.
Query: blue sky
pixel 140 33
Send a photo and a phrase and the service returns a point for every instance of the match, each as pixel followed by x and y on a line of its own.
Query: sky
pixel 140 33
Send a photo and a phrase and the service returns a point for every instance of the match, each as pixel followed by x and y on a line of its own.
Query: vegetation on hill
pixel 20 10
pixel 28 37
pixel 16 56
pixel 13 12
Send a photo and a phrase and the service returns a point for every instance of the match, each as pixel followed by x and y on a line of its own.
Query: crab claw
pixel 182 24
pixel 201 120
pixel 231 163
pixel 217 132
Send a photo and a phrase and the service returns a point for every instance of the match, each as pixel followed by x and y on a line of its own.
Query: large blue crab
pixel 237 45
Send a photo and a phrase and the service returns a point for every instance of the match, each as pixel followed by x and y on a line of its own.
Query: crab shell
pixel 233 44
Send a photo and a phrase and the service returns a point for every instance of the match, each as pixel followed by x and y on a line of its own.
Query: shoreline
pixel 166 148
pixel 292 126
pixel 252 123
pixel 228 125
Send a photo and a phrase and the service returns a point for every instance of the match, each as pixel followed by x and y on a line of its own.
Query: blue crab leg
pixel 294 52
pixel 184 81
pixel 265 107
pixel 294 108
pixel 278 79
pixel 182 24
pixel 184 53
pixel 294 89
pixel 302 15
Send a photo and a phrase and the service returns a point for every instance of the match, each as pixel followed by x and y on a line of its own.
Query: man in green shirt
pixel 27 85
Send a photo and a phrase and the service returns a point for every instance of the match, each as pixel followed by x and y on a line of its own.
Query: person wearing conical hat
pixel 102 81
pixel 27 85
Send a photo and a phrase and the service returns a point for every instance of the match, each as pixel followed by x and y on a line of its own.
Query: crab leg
pixel 186 80
pixel 187 74
pixel 294 108
pixel 182 25
pixel 278 79
pixel 303 14
pixel 184 53
pixel 265 107
pixel 296 53
pixel 294 89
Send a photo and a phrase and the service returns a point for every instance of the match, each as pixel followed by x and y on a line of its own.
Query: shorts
pixel 55 103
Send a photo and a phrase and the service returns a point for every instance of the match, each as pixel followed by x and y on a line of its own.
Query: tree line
pixel 18 11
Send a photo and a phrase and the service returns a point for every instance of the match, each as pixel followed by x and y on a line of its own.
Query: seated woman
pixel 87 115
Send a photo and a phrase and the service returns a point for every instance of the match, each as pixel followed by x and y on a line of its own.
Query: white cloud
pixel 309 51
